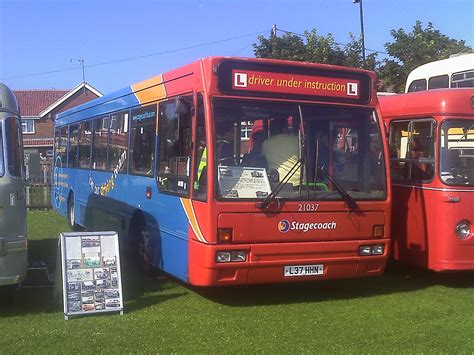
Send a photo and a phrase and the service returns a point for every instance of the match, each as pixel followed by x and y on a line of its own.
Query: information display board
pixel 243 182
pixel 90 264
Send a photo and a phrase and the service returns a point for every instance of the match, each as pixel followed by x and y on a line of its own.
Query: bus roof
pixel 439 101
pixel 8 102
pixel 455 64
pixel 153 89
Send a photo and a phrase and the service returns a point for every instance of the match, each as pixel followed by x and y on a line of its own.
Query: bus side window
pixel 57 137
pixel 99 150
pixel 438 82
pixel 411 148
pixel 398 146
pixel 142 140
pixel 200 154
pixel 421 149
pixel 417 85
pixel 73 145
pixel 175 143
pixel 62 149
pixel 118 142
pixel 85 140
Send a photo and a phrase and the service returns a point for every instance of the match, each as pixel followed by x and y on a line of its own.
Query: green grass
pixel 403 311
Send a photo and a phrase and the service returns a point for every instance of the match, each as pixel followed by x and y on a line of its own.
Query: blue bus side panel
pixel 100 208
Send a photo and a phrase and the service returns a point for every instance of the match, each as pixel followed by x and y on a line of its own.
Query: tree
pixel 406 52
pixel 410 50
pixel 315 49
pixel 289 47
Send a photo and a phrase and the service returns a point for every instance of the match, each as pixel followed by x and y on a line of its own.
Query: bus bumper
pixel 13 261
pixel 265 263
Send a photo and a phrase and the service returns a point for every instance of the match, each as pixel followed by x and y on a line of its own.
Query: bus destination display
pixel 288 83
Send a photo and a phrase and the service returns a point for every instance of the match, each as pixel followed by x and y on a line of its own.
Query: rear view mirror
pixel 182 105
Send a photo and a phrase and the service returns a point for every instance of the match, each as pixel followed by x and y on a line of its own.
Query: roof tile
pixel 33 102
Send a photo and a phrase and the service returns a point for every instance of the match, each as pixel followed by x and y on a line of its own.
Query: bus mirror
pixel 182 106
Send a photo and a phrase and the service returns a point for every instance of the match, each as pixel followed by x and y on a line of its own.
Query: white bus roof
pixel 455 64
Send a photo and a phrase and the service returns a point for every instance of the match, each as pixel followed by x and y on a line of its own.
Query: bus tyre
pixel 141 242
pixel 71 218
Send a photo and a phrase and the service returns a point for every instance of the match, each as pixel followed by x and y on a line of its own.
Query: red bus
pixel 431 143
pixel 234 171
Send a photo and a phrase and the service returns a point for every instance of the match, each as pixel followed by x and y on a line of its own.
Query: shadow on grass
pixel 397 279
pixel 139 290
pixel 142 291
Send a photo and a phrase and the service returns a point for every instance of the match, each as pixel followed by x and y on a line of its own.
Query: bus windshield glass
pixel 13 139
pixel 297 151
pixel 457 152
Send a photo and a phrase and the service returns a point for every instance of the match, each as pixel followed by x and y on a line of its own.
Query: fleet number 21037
pixel 308 207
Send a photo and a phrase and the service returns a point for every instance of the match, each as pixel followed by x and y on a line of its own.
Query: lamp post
pixel 361 27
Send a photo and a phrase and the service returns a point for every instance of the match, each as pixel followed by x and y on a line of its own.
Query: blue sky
pixel 39 36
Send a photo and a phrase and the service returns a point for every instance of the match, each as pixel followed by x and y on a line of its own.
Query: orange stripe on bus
pixel 188 209
pixel 150 90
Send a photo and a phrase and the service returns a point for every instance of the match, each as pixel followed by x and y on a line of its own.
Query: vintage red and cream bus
pixel 431 147
pixel 234 171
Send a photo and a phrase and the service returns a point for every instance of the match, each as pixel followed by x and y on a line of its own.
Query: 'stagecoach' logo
pixel 240 80
pixel 284 226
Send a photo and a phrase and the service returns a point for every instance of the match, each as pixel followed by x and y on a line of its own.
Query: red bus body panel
pixel 424 215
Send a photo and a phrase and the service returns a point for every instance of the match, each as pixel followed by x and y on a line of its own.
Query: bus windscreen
pixel 2 169
pixel 457 152
pixel 262 147
pixel 13 139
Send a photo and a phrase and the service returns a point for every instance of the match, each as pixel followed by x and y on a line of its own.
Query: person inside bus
pixel 225 138
pixel 255 157
pixel 281 151
pixel 419 170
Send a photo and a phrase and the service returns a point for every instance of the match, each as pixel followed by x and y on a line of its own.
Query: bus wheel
pixel 141 242
pixel 71 219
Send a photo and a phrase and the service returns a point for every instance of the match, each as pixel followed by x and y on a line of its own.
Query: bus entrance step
pixel 38 276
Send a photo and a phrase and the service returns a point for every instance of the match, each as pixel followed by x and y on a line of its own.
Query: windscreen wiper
pixel 346 197
pixel 272 196
pixel 464 136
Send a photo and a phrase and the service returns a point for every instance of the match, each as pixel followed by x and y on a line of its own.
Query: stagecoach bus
pixel 13 232
pixel 431 143
pixel 234 171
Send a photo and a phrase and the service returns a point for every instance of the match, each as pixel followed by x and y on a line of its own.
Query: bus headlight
pixel 377 249
pixel 231 256
pixel 463 230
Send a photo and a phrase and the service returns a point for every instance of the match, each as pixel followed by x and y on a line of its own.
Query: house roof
pixel 33 102
pixel 38 103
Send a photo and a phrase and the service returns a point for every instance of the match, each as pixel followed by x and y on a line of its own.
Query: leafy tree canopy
pixel 418 47
pixel 313 48
pixel 406 52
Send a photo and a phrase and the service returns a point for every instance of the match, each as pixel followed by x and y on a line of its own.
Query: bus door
pixel 173 178
pixel 412 163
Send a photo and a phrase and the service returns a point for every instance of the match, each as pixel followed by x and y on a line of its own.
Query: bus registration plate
pixel 303 270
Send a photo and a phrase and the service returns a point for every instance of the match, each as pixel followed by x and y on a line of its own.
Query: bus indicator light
pixel 378 231
pixel 224 235
pixel 148 192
